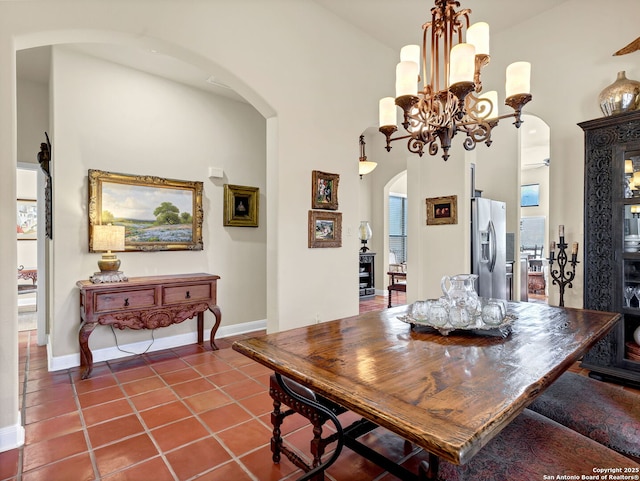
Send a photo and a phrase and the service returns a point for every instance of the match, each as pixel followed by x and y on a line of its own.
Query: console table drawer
pixel 110 301
pixel 177 294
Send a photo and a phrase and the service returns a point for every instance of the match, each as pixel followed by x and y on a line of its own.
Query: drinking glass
pixel 494 312
pixel 438 313
pixel 419 311
pixel 628 294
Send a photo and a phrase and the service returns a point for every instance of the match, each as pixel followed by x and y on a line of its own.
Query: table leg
pixel 86 357
pixel 218 315
pixel 428 471
pixel 200 327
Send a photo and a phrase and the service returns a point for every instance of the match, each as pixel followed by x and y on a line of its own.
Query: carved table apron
pixel 145 303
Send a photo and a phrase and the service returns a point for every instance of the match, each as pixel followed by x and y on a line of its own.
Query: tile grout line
pixel 85 431
pixel 147 431
pixel 204 425
pixel 23 421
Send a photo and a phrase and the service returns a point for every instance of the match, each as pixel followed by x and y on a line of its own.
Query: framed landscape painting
pixel 325 229
pixel 157 214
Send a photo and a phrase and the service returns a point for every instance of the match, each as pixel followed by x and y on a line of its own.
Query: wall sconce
pixel 108 238
pixel 365 166
pixel 364 233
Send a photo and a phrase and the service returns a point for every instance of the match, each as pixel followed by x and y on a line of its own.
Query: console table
pixel 145 303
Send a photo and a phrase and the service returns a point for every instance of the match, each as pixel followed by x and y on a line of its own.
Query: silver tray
pixel 480 328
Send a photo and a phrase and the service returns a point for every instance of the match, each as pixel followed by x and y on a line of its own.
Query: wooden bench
pixel 533 446
pixel 603 412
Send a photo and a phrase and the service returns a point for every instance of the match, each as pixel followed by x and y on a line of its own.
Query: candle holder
pixel 562 277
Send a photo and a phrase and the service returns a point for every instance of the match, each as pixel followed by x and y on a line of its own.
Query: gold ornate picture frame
pixel 442 210
pixel 158 214
pixel 324 190
pixel 325 229
pixel 241 205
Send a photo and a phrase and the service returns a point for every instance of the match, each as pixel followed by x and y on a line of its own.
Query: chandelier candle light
pixel 450 100
pixel 561 277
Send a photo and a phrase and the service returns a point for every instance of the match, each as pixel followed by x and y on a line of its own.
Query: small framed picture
pixel 324 190
pixel 442 210
pixel 27 219
pixel 325 229
pixel 241 205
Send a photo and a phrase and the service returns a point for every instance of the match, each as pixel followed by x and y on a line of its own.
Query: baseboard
pixel 69 361
pixel 12 437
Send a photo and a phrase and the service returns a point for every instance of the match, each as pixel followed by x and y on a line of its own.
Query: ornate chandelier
pixel 450 100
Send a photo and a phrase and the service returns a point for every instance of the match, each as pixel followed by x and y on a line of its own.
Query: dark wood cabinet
pixel 612 254
pixel 367 274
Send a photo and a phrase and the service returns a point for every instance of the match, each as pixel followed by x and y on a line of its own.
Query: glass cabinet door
pixel 629 345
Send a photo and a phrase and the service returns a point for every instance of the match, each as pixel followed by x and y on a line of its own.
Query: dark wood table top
pixel 448 394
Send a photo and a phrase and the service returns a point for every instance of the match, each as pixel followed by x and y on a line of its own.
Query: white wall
pixel 317 98
pixel 117 119
pixel 570 48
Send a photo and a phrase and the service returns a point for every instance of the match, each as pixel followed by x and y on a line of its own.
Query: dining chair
pixel 397 276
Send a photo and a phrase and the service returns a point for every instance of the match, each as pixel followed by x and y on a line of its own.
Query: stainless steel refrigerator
pixel 489 246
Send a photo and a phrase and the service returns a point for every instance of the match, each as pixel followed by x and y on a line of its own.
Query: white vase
pixel 636 335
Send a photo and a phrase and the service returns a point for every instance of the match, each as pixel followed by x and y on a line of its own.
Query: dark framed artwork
pixel 158 214
pixel 325 229
pixel 241 205
pixel 324 190
pixel 27 219
pixel 442 210
pixel 530 195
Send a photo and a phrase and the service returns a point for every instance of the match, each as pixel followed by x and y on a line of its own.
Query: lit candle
pixel 518 78
pixel 388 111
pixel 574 249
pixel 561 231
pixel 406 78
pixel 478 36
pixel 462 63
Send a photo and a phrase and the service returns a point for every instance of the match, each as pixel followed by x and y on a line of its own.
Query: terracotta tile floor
pixel 177 414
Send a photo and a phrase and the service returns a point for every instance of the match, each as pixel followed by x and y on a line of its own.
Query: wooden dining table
pixel 449 394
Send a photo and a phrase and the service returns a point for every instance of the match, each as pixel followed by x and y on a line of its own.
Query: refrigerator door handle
pixel 494 246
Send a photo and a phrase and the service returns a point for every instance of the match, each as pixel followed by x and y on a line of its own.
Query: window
pixel 398 227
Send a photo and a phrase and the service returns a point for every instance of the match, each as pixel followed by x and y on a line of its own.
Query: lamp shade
pixel 478 36
pixel 387 115
pixel 406 78
pixel 518 79
pixel 366 166
pixel 364 231
pixel 411 53
pixel 108 237
pixel 463 61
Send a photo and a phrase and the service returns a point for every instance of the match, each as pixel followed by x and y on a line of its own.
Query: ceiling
pixel 396 23
pixel 384 20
